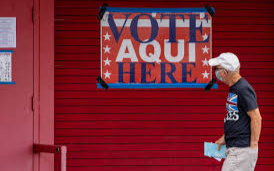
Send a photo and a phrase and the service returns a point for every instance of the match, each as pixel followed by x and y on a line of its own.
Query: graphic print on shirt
pixel 232 109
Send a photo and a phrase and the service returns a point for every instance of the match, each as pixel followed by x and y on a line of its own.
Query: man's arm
pixel 255 126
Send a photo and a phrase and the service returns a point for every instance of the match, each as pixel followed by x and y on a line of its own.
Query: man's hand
pixel 254 145
pixel 220 142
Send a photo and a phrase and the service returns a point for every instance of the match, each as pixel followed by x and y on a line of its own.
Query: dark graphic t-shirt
pixel 240 100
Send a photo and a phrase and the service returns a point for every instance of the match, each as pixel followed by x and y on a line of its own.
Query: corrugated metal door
pixel 157 129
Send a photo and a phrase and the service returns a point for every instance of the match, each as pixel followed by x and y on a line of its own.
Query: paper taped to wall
pixel 5 67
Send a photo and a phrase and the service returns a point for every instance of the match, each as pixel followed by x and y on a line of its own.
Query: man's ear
pixel 226 72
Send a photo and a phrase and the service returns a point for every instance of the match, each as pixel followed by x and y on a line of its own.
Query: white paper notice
pixel 7 32
pixel 5 67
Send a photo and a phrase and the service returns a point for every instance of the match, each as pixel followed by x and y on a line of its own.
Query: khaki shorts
pixel 240 159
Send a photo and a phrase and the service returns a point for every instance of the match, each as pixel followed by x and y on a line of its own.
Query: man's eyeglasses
pixel 216 69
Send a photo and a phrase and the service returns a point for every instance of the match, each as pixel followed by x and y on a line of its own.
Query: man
pixel 242 124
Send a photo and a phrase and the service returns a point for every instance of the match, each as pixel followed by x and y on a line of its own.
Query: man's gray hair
pixel 236 71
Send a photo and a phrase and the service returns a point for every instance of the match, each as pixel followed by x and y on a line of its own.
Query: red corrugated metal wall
pixel 157 129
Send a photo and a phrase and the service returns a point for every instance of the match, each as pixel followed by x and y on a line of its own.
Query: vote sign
pixel 156 48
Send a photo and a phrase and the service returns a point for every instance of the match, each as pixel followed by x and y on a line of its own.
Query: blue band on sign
pixel 157 10
pixel 11 51
pixel 155 85
pixel 7 82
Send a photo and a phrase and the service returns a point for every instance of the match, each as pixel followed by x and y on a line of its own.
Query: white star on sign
pixel 205 37
pixel 205 49
pixel 107 74
pixel 107 49
pixel 205 75
pixel 107 36
pixel 107 62
pixel 205 62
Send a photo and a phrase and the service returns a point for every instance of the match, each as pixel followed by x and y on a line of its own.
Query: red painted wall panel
pixel 157 129
pixel 16 115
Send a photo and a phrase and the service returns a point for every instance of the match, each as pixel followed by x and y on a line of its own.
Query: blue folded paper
pixel 211 150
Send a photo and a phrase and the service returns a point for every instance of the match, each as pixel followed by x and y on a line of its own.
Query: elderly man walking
pixel 242 124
